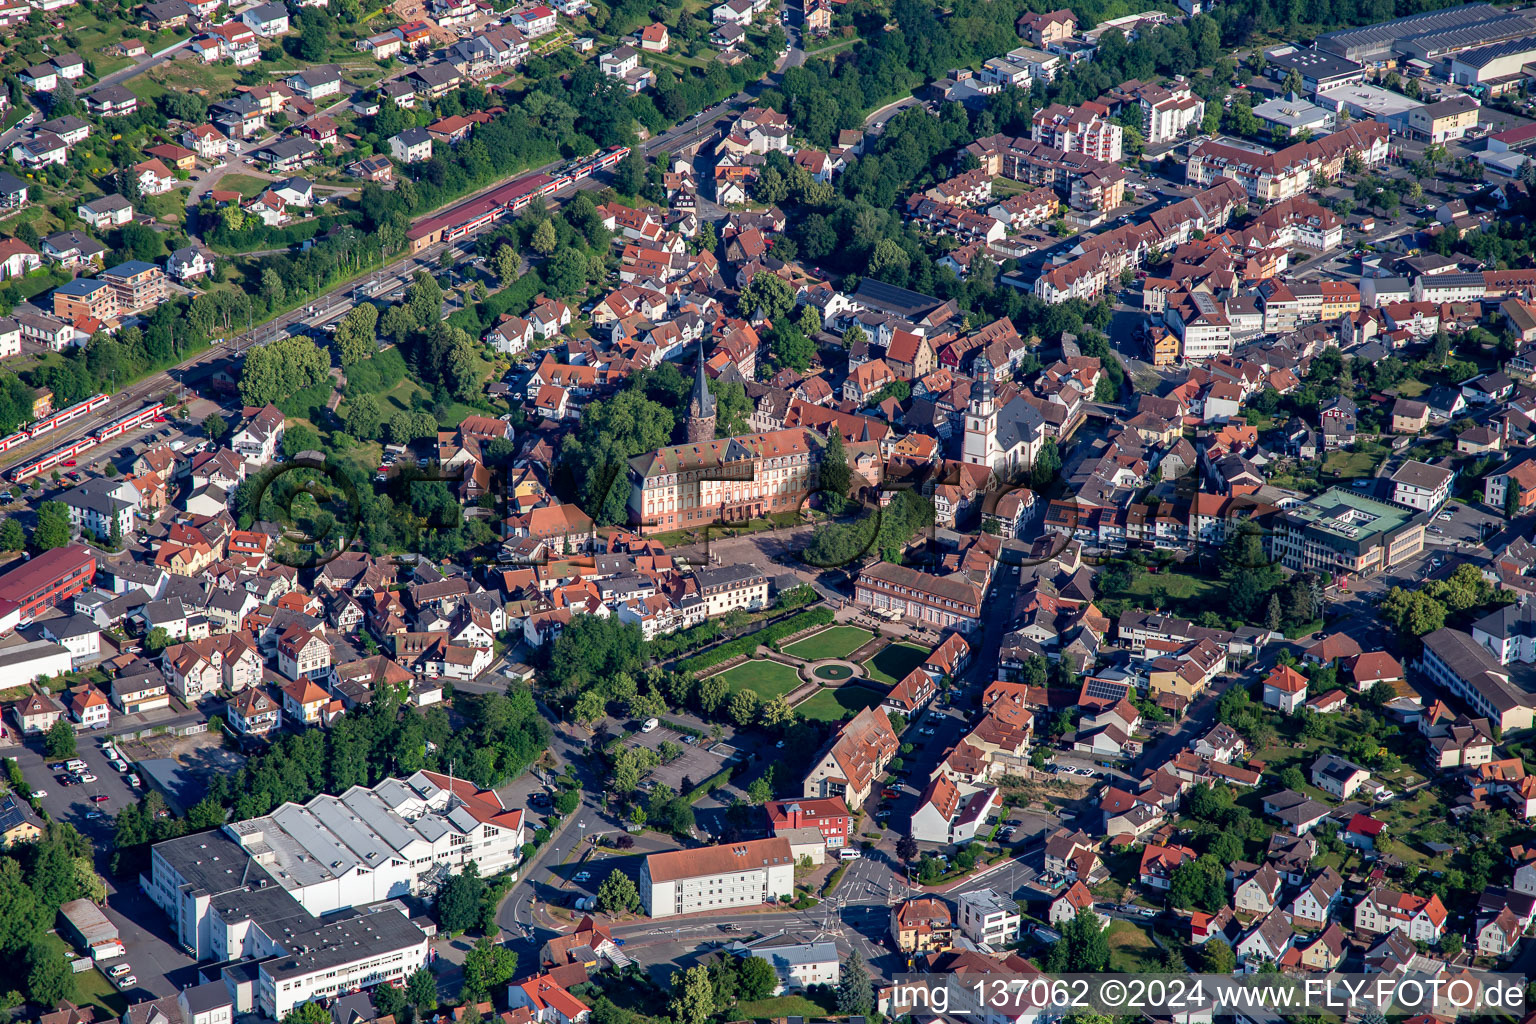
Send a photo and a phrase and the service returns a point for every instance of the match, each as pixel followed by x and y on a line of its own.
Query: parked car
pixel 87 777
pixel 100 798
pixel 119 971
pixel 38 794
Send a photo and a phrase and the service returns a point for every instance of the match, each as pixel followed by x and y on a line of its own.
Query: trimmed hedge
pixel 709 785
pixel 743 646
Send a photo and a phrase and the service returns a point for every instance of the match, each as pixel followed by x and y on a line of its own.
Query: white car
pixel 38 794
pixel 127 982
pixel 119 971
pixel 583 876
pixel 87 777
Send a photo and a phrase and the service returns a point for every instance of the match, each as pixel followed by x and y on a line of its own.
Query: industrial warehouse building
pixel 332 853
pixel 1465 27
pixel 300 904
pixel 1319 70
pixel 1488 64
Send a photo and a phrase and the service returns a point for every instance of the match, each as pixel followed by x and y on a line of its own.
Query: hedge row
pixel 743 646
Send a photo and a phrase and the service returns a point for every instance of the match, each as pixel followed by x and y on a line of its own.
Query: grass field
pixel 403 394
pixel 1177 585
pixel 837 704
pixel 1410 388
pixel 1350 465
pixel 833 642
pixel 783 1006
pixel 246 184
pixel 91 987
pixel 1131 948
pixel 767 679
pixel 893 663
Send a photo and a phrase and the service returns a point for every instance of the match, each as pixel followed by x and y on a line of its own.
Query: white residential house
pixel 411 146
pixel 267 20
pixel 989 916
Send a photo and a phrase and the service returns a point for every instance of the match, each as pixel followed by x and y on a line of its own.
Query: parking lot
pixel 693 764
pixel 78 804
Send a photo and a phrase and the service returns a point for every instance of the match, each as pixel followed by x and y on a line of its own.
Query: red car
pixel 99 798
pixel 159 419
pixel 69 463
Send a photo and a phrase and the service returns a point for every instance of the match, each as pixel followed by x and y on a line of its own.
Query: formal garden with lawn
pixel 767 679
pixel 892 664
pixel 832 642
pixel 834 705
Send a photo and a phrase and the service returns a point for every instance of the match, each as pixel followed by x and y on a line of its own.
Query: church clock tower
pixel 981 418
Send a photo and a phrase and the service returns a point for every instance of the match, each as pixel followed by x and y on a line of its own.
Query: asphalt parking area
pixel 693 764
pixel 77 804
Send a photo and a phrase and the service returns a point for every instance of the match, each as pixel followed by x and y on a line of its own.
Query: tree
pixel 458 904
pixel 487 967
pixel 544 240
pixel 618 894
pixel 776 713
pixel 59 741
pixel 693 998
pixel 311 1012
pixel 835 475
pixel 215 427
pixel 49 979
pixel 743 707
pixel 1413 613
pixel 1511 498
pixel 52 529
pixel 1218 956
pixel 287 365
pixel 766 295
pixel 1198 884
pixel 629 177
pixel 906 848
pixel 357 334
pixel 1047 465
pixel 1084 944
pixel 12 536
pixel 755 978
pixel 791 348
pixel 421 990
pixel 855 991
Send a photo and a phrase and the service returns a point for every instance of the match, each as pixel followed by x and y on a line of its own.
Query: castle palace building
pixel 730 479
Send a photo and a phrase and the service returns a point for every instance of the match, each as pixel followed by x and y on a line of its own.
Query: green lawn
pixel 1177 585
pixel 834 705
pixel 893 663
pixel 91 987
pixel 170 208
pixel 246 184
pixel 1131 949
pixel 833 642
pixel 1351 465
pixel 783 1006
pixel 1410 388
pixel 767 679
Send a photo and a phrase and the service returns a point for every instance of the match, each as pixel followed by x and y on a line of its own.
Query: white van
pixel 848 853
pixel 650 725
pixel 76 765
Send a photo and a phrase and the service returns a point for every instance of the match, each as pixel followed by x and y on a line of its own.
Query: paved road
pixel 119 77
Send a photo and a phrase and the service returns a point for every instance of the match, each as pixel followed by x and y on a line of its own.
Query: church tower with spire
pixel 701 406
pixel 981 447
